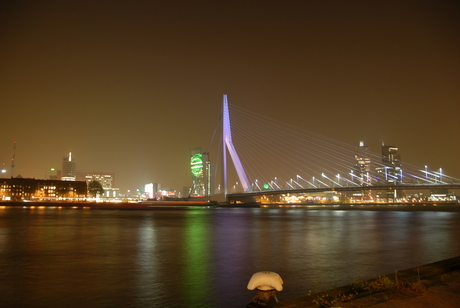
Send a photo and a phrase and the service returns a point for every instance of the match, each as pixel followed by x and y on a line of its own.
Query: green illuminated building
pixel 200 166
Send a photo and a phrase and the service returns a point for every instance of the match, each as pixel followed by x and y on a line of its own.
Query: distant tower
pixel 69 168
pixel 363 165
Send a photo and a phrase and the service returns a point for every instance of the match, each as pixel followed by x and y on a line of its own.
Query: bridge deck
pixel 347 188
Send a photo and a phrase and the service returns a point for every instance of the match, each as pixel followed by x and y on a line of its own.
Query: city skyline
pixel 130 89
pixel 390 158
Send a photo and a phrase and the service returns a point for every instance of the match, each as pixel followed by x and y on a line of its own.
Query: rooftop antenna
pixel 12 160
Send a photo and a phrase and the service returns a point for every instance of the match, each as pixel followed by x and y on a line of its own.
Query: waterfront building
pixel 20 189
pixel 151 190
pixel 106 179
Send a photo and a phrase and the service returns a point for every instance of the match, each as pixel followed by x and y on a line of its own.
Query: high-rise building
pixel 69 169
pixel 201 173
pixel 363 165
pixel 391 160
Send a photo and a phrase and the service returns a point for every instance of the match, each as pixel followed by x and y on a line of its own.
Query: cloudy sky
pixel 131 86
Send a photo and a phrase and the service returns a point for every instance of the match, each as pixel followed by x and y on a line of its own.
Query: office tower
pixel 391 160
pixel 201 173
pixel 69 169
pixel 363 165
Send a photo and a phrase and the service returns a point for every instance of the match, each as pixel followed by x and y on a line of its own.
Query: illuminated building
pixel 148 189
pixel 363 165
pixel 201 173
pixel 104 178
pixel 166 193
pixel 151 190
pixel 69 169
pixel 18 189
pixel 391 160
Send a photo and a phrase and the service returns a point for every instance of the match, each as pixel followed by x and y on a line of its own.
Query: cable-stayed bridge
pixel 269 161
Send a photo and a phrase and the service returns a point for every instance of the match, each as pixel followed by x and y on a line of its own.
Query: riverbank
pixel 393 206
pixel 432 285
pixel 152 205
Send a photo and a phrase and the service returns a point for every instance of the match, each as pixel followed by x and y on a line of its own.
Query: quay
pixel 403 206
pixel 389 206
pixel 433 285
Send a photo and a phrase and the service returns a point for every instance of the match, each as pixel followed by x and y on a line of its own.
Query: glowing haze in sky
pixel 131 86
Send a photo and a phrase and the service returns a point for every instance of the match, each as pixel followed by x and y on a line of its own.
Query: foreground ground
pixel 440 294
pixel 433 285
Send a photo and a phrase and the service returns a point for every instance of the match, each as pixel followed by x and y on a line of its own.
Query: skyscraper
pixel 363 165
pixel 69 168
pixel 391 161
pixel 201 172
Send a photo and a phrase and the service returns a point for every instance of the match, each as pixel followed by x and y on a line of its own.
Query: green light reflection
pixel 196 258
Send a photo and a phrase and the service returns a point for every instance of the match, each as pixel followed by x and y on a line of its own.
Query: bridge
pixel 274 162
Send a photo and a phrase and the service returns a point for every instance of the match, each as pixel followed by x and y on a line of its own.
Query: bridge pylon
pixel 228 145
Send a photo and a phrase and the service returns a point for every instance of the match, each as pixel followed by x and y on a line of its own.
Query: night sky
pixel 130 87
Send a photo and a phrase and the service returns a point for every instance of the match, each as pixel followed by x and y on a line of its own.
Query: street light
pixel 234 187
pixel 306 182
pixel 257 185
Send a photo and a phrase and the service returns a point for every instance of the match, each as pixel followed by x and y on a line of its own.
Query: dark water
pixel 204 257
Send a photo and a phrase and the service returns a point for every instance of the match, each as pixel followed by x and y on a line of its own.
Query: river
pixel 205 257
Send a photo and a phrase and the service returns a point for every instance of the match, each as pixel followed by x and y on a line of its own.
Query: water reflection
pixel 196 260
pixel 74 258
